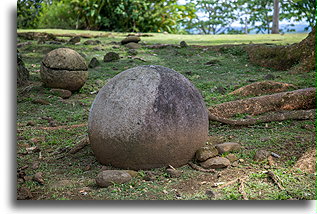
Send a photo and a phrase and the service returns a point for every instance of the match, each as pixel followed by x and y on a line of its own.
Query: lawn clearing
pixel 71 177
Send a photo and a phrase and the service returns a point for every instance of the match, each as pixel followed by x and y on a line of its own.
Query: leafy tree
pixel 218 16
pixel 27 13
pixel 301 10
pixel 58 14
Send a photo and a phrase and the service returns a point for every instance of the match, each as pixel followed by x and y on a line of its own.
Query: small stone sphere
pixel 147 117
pixel 64 68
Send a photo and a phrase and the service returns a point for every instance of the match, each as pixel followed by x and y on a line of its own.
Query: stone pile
pixel 210 156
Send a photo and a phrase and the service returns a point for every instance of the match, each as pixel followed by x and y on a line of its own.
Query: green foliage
pixel 303 10
pixel 28 13
pixel 119 15
pixel 218 15
pixel 59 14
pixel 260 13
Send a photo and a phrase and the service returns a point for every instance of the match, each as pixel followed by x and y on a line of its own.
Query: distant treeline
pixel 215 16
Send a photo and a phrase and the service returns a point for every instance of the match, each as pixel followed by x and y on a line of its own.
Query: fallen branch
pixel 198 168
pixel 80 145
pixel 292 100
pixel 275 116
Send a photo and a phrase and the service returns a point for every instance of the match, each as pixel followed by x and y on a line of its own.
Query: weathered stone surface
pixel 61 93
pixel 132 52
pixel 64 68
pixel 111 56
pixel 64 59
pixel 215 163
pixel 307 163
pixel 92 42
pixel 174 173
pixel 129 39
pixel 147 117
pixel 205 153
pixel 133 45
pixel 261 155
pixel 232 158
pixel 183 44
pixel 228 147
pixel 109 177
pixel 132 173
pixel 93 63
pixel 74 40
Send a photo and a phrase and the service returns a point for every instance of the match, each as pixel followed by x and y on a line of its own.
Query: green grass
pixel 231 70
pixel 194 39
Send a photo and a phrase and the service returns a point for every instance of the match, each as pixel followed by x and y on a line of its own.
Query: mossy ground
pixel 71 177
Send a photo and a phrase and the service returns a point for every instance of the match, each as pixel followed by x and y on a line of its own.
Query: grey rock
pixel 147 117
pixel 61 93
pixel 228 147
pixel 93 63
pixel 261 155
pixel 111 56
pixel 205 153
pixel 64 68
pixel 183 44
pixel 174 173
pixel 129 39
pixel 110 177
pixel 133 45
pixel 215 163
pixel 232 158
pixel 210 193
pixel 132 52
pixel 92 42
pixel 98 48
pixel 74 40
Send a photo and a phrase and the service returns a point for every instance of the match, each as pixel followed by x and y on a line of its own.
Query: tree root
pixel 241 189
pixel 275 116
pixel 291 100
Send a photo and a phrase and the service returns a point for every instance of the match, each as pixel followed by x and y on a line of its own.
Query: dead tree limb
pixel 292 100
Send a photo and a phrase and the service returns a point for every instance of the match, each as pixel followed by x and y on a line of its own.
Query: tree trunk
pixel 275 27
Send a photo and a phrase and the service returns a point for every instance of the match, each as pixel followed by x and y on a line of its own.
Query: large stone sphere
pixel 147 117
pixel 64 68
